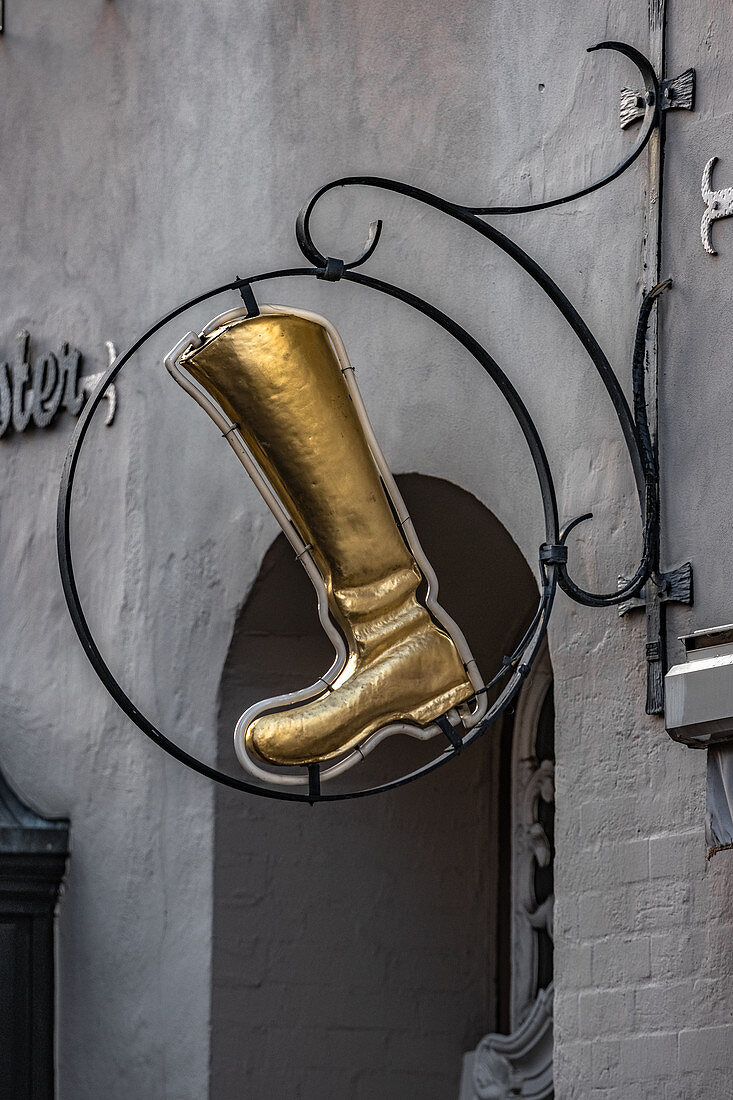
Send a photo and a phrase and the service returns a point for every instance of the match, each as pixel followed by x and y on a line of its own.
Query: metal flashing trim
pixel 711 636
pixel 699 691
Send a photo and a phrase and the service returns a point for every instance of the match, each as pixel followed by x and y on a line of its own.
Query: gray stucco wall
pixel 153 149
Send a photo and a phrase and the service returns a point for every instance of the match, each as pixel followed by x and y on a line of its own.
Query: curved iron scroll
pixel 634 426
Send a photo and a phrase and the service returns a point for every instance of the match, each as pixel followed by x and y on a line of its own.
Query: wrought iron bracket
pixel 677 94
pixel 676 586
pixel 637 423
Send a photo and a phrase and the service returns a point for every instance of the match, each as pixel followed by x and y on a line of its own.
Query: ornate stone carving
pixel 533 783
pixel 541 785
pixel 519 1064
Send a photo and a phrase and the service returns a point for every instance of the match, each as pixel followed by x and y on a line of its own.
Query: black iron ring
pixel 528 647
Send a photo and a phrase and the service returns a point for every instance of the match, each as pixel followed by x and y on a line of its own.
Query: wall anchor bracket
pixel 677 94
pixel 719 204
pixel 675 587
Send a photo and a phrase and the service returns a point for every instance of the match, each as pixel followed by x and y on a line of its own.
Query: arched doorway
pixel 355 944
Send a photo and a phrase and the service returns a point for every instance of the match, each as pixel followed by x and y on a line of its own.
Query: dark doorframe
pixel 33 855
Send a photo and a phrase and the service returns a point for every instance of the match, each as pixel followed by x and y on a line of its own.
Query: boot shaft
pixel 298 425
pixel 280 381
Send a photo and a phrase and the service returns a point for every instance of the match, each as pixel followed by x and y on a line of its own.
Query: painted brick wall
pixel 644 925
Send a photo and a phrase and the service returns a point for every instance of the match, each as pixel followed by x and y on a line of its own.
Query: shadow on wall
pixel 354 944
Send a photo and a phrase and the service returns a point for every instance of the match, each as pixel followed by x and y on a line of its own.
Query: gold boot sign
pixel 280 387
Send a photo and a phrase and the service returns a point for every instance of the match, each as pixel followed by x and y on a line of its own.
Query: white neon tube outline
pixel 231 434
